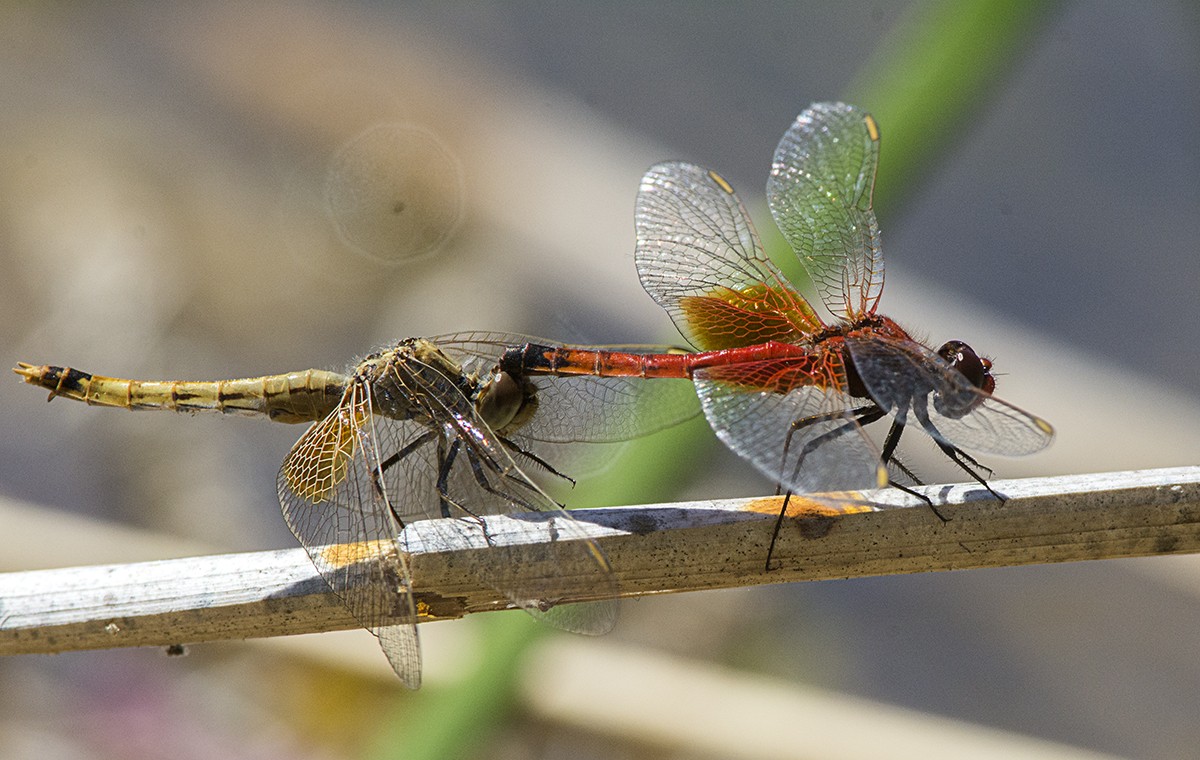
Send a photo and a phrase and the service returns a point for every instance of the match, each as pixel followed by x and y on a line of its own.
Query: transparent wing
pixel 699 258
pixel 581 409
pixel 575 415
pixel 605 409
pixel 904 376
pixel 820 187
pixel 802 435
pixel 332 503
pixel 459 468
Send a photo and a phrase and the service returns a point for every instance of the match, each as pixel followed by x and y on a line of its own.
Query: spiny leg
pixel 479 464
pixel 863 415
pixel 536 460
pixel 445 464
pixel 378 473
pixel 409 448
pixel 975 462
pixel 965 461
pixel 888 458
pixel 815 419
pixel 477 467
pixel 904 469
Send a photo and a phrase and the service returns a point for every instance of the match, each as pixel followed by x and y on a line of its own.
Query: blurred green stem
pixel 933 73
pixel 457 720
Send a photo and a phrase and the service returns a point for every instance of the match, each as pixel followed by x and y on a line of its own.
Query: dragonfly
pixel 427 428
pixel 783 387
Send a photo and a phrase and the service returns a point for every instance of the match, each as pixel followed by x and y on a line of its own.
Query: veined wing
pixel 459 468
pixel 581 409
pixel 359 477
pixel 820 188
pixel 699 258
pixel 794 421
pixel 904 376
pixel 329 490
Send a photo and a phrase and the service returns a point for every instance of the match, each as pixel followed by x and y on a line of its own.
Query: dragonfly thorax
pixel 869 326
pixel 401 378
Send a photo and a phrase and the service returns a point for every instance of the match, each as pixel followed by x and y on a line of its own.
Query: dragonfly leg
pixel 536 460
pixel 775 531
pixel 518 479
pixel 965 461
pixel 908 473
pixel 889 447
pixel 409 448
pixel 914 494
pixel 968 465
pixel 975 463
pixel 378 473
pixel 888 457
pixel 863 415
pixel 858 416
pixel 478 467
pixel 446 459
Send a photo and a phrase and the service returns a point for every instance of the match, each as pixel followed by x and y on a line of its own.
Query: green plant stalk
pixel 932 75
pixel 458 719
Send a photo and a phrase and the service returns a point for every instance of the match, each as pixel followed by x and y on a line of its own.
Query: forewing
pixel 820 188
pixel 802 435
pixel 904 376
pixel 331 502
pixel 699 258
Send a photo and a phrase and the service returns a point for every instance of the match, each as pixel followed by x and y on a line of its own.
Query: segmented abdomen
pixel 772 366
pixel 303 396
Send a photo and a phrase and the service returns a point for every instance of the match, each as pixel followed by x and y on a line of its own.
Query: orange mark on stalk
pixel 341 555
pixel 815 519
pixel 851 502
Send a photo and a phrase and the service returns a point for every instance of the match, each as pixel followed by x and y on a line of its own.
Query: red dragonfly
pixel 782 387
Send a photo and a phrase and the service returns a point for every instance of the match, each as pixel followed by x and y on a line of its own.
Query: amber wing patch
pixel 319 460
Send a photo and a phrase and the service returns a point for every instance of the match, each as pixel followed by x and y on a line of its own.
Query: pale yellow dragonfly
pixel 429 428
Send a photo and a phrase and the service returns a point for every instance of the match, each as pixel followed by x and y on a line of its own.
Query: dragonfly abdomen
pixel 775 365
pixel 534 359
pixel 303 396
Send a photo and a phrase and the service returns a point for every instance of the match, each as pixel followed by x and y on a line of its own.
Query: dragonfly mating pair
pixel 448 427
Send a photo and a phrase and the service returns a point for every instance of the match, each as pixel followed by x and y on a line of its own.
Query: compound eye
pixel 963 358
pixel 500 400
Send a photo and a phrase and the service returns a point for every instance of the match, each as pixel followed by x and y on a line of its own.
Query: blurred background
pixel 185 192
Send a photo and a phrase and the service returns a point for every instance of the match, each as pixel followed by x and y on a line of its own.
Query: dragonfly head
pixel 974 367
